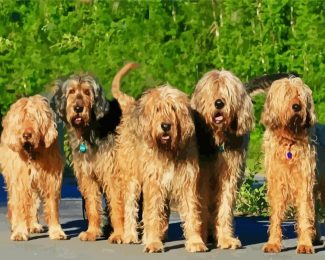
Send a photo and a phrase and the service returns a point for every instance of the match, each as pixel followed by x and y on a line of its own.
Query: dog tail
pixel 263 83
pixel 123 99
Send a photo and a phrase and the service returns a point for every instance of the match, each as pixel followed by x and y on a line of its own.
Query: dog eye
pixel 71 91
pixel 87 92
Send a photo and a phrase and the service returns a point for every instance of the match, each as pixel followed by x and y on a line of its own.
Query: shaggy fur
pixel 224 117
pixel 157 154
pixel 288 117
pixel 32 167
pixel 91 120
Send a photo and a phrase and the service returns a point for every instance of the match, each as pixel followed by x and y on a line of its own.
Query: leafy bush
pixel 251 198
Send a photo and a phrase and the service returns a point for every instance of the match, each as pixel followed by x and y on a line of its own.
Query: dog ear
pixel 243 121
pixel 59 101
pixel 269 116
pixel 101 104
pixel 186 122
pixel 10 122
pixel 311 119
pixel 47 123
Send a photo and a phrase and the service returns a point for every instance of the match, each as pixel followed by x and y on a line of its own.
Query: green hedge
pixel 174 41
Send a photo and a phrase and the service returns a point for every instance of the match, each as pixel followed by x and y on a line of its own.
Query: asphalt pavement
pixel 252 232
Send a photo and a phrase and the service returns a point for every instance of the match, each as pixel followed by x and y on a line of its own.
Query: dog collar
pixel 82 147
pixel 289 154
pixel 221 148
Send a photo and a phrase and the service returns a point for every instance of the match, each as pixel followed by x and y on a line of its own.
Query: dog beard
pixel 295 124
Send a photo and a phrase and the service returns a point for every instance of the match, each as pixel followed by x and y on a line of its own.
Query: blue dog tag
pixel 289 155
pixel 83 148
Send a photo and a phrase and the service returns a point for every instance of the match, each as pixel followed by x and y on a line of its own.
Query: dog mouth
pixel 28 147
pixel 295 124
pixel 165 138
pixel 218 118
pixel 78 121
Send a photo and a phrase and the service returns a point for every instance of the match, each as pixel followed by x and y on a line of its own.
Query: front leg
pixel 18 211
pixel 131 209
pixel 154 218
pixel 90 191
pixel 194 225
pixel 278 205
pixel 116 205
pixel 33 224
pixel 305 220
pixel 51 200
pixel 228 171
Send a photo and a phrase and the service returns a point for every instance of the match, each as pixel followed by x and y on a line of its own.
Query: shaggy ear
pixel 59 101
pixel 311 119
pixel 186 122
pixel 9 136
pixel 101 104
pixel 51 133
pixel 269 118
pixel 244 119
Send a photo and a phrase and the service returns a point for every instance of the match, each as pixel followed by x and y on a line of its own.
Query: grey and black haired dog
pixel 90 119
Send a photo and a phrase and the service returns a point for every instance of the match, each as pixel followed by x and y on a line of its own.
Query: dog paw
pixel 19 236
pixel 57 234
pixel 271 248
pixel 154 247
pixel 36 228
pixel 229 243
pixel 131 239
pixel 196 247
pixel 87 236
pixel 303 249
pixel 115 238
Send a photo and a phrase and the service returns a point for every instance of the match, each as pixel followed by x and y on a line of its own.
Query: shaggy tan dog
pixel 157 154
pixel 290 160
pixel 224 117
pixel 32 167
pixel 91 119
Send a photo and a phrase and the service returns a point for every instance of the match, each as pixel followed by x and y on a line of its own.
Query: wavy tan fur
pixel 164 171
pixel 221 172
pixel 290 181
pixel 35 175
pixel 94 168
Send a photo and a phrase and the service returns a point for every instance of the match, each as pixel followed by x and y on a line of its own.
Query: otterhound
pixel 156 153
pixel 91 120
pixel 32 167
pixel 223 119
pixel 290 165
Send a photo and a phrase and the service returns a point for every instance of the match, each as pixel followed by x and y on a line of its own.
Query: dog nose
pixel 166 127
pixel 296 107
pixel 78 109
pixel 27 136
pixel 219 104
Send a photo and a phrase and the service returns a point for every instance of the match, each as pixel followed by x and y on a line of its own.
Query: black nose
pixel 219 104
pixel 78 109
pixel 166 127
pixel 296 107
pixel 27 136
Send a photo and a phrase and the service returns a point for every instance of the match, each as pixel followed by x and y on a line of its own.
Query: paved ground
pixel 251 231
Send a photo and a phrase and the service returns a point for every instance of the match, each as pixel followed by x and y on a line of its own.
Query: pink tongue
pixel 218 118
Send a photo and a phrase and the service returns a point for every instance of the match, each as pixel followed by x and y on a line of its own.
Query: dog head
pixel 165 118
pixel 79 100
pixel 289 105
pixel 29 124
pixel 222 101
